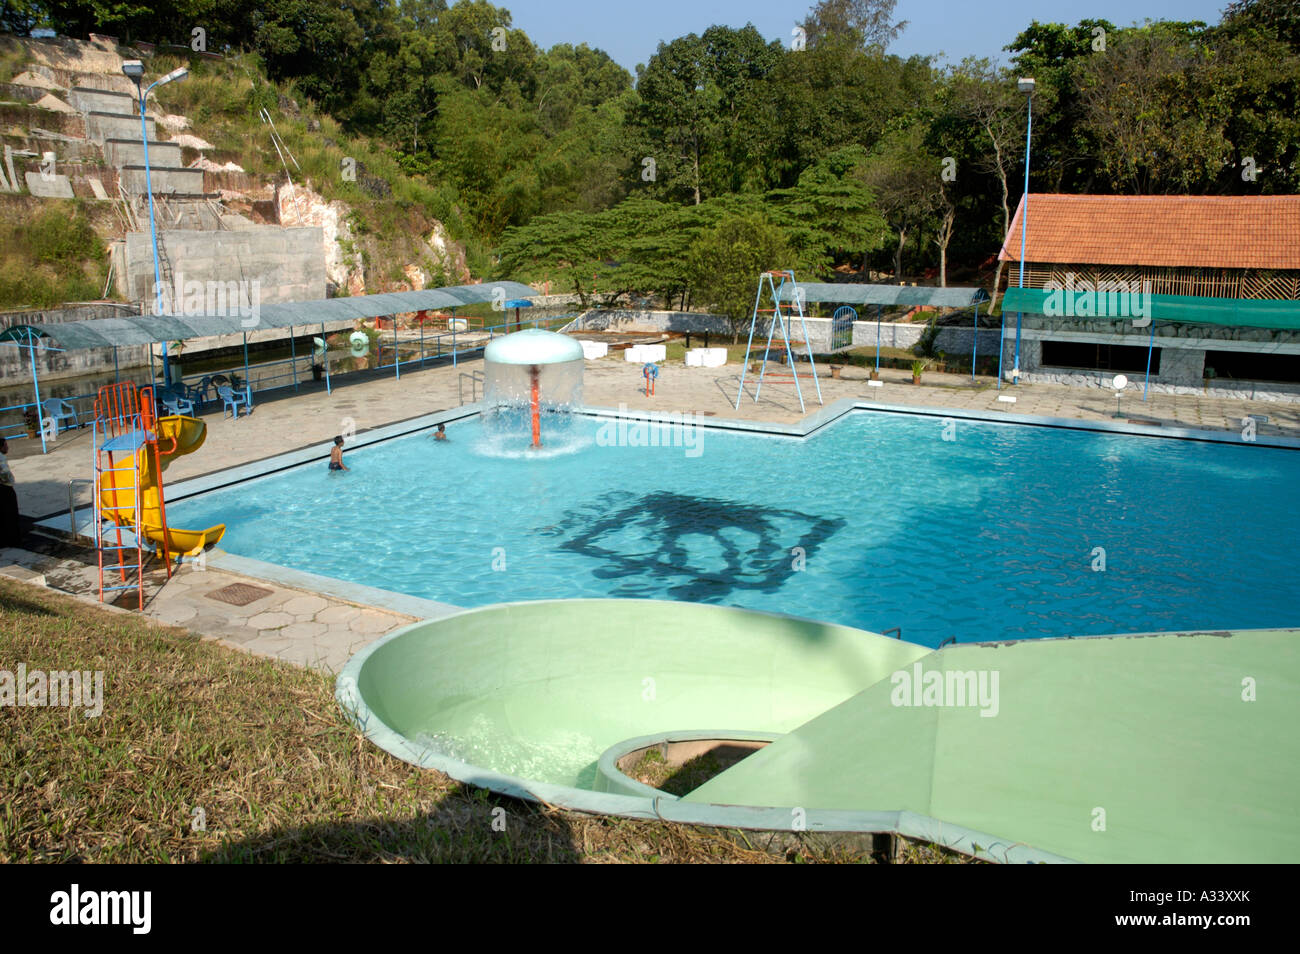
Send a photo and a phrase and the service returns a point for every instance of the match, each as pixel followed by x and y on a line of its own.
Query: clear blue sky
pixel 629 30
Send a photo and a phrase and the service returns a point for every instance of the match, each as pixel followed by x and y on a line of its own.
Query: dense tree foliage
pixel 834 152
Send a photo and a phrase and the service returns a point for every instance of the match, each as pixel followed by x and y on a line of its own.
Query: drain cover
pixel 239 594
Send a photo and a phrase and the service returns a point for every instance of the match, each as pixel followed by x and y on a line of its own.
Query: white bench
pixel 594 349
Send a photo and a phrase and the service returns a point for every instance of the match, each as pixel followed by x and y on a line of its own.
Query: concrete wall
pixel 163 181
pixel 1182 347
pixel 289 264
pixel 954 340
pixel 101 126
pixel 15 363
pixel 130 152
pixel 102 101
pixel 649 321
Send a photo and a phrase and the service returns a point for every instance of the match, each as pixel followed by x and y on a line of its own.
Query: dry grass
pixel 261 748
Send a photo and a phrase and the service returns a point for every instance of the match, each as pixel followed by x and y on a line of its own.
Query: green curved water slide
pixel 1171 747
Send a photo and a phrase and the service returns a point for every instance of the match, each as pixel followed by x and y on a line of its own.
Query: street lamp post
pixel 134 70
pixel 1026 86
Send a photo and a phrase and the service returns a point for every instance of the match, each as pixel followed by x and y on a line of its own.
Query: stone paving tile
pixel 303 630
pixel 307 606
pixel 270 620
pixel 338 613
pixel 371 622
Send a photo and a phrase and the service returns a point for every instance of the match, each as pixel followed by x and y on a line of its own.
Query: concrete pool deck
pixel 310 621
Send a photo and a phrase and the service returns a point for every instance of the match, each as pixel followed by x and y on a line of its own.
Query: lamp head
pixel 179 73
pixel 133 68
pixel 1025 84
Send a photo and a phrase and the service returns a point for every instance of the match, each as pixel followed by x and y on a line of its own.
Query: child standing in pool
pixel 441 433
pixel 336 455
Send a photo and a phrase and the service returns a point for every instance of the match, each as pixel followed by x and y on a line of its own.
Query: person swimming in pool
pixel 441 433
pixel 336 455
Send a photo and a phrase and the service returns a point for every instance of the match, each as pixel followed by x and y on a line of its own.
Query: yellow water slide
pixel 177 436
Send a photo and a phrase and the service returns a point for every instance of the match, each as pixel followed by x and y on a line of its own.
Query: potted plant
pixel 317 372
pixel 836 369
pixel 917 367
pixel 942 364
pixel 32 421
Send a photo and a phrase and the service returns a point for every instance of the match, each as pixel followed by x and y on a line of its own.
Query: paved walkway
pixel 306 629
pixel 323 631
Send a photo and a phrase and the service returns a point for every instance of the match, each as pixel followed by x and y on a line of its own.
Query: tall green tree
pixel 727 259
pixel 869 23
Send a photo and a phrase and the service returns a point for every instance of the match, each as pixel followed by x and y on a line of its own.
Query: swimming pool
pixel 946 528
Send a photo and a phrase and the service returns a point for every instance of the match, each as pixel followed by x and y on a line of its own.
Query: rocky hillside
pixel 244 152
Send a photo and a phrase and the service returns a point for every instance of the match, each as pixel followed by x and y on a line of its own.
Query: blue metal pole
pixel 36 385
pixel 1002 348
pixel 153 231
pixel 453 337
pixel 293 358
pixel 1024 229
pixel 248 381
pixel 1150 345
pixel 397 355
pixel 975 347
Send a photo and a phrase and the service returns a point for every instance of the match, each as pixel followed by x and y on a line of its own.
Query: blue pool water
pixel 876 521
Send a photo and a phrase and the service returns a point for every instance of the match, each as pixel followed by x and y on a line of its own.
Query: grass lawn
pixel 258 751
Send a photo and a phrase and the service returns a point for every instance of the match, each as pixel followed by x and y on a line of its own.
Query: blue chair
pixel 198 393
pixel 233 402
pixel 175 403
pixel 60 410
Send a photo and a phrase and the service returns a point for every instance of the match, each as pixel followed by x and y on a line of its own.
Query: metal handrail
pixel 893 629
pixel 72 507
pixel 475 378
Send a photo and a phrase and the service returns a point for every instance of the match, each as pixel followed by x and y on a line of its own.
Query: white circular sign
pixel 1120 382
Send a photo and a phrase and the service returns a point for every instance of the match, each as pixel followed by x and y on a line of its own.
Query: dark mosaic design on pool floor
pixel 756 543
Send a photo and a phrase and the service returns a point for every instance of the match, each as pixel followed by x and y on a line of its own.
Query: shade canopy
pixel 152 329
pixel 1193 309
pixel 848 293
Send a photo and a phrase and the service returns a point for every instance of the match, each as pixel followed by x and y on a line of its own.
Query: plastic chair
pixel 233 402
pixel 60 410
pixel 198 393
pixel 175 403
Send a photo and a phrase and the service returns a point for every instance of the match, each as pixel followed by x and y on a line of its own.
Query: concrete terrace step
pixel 130 152
pixel 168 181
pixel 102 126
pixel 101 100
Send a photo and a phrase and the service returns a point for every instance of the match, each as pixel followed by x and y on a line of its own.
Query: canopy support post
pixel 1150 346
pixel 36 386
pixel 293 359
pixel 877 342
pixel 248 383
pixel 328 389
pixel 975 347
pixel 1002 347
